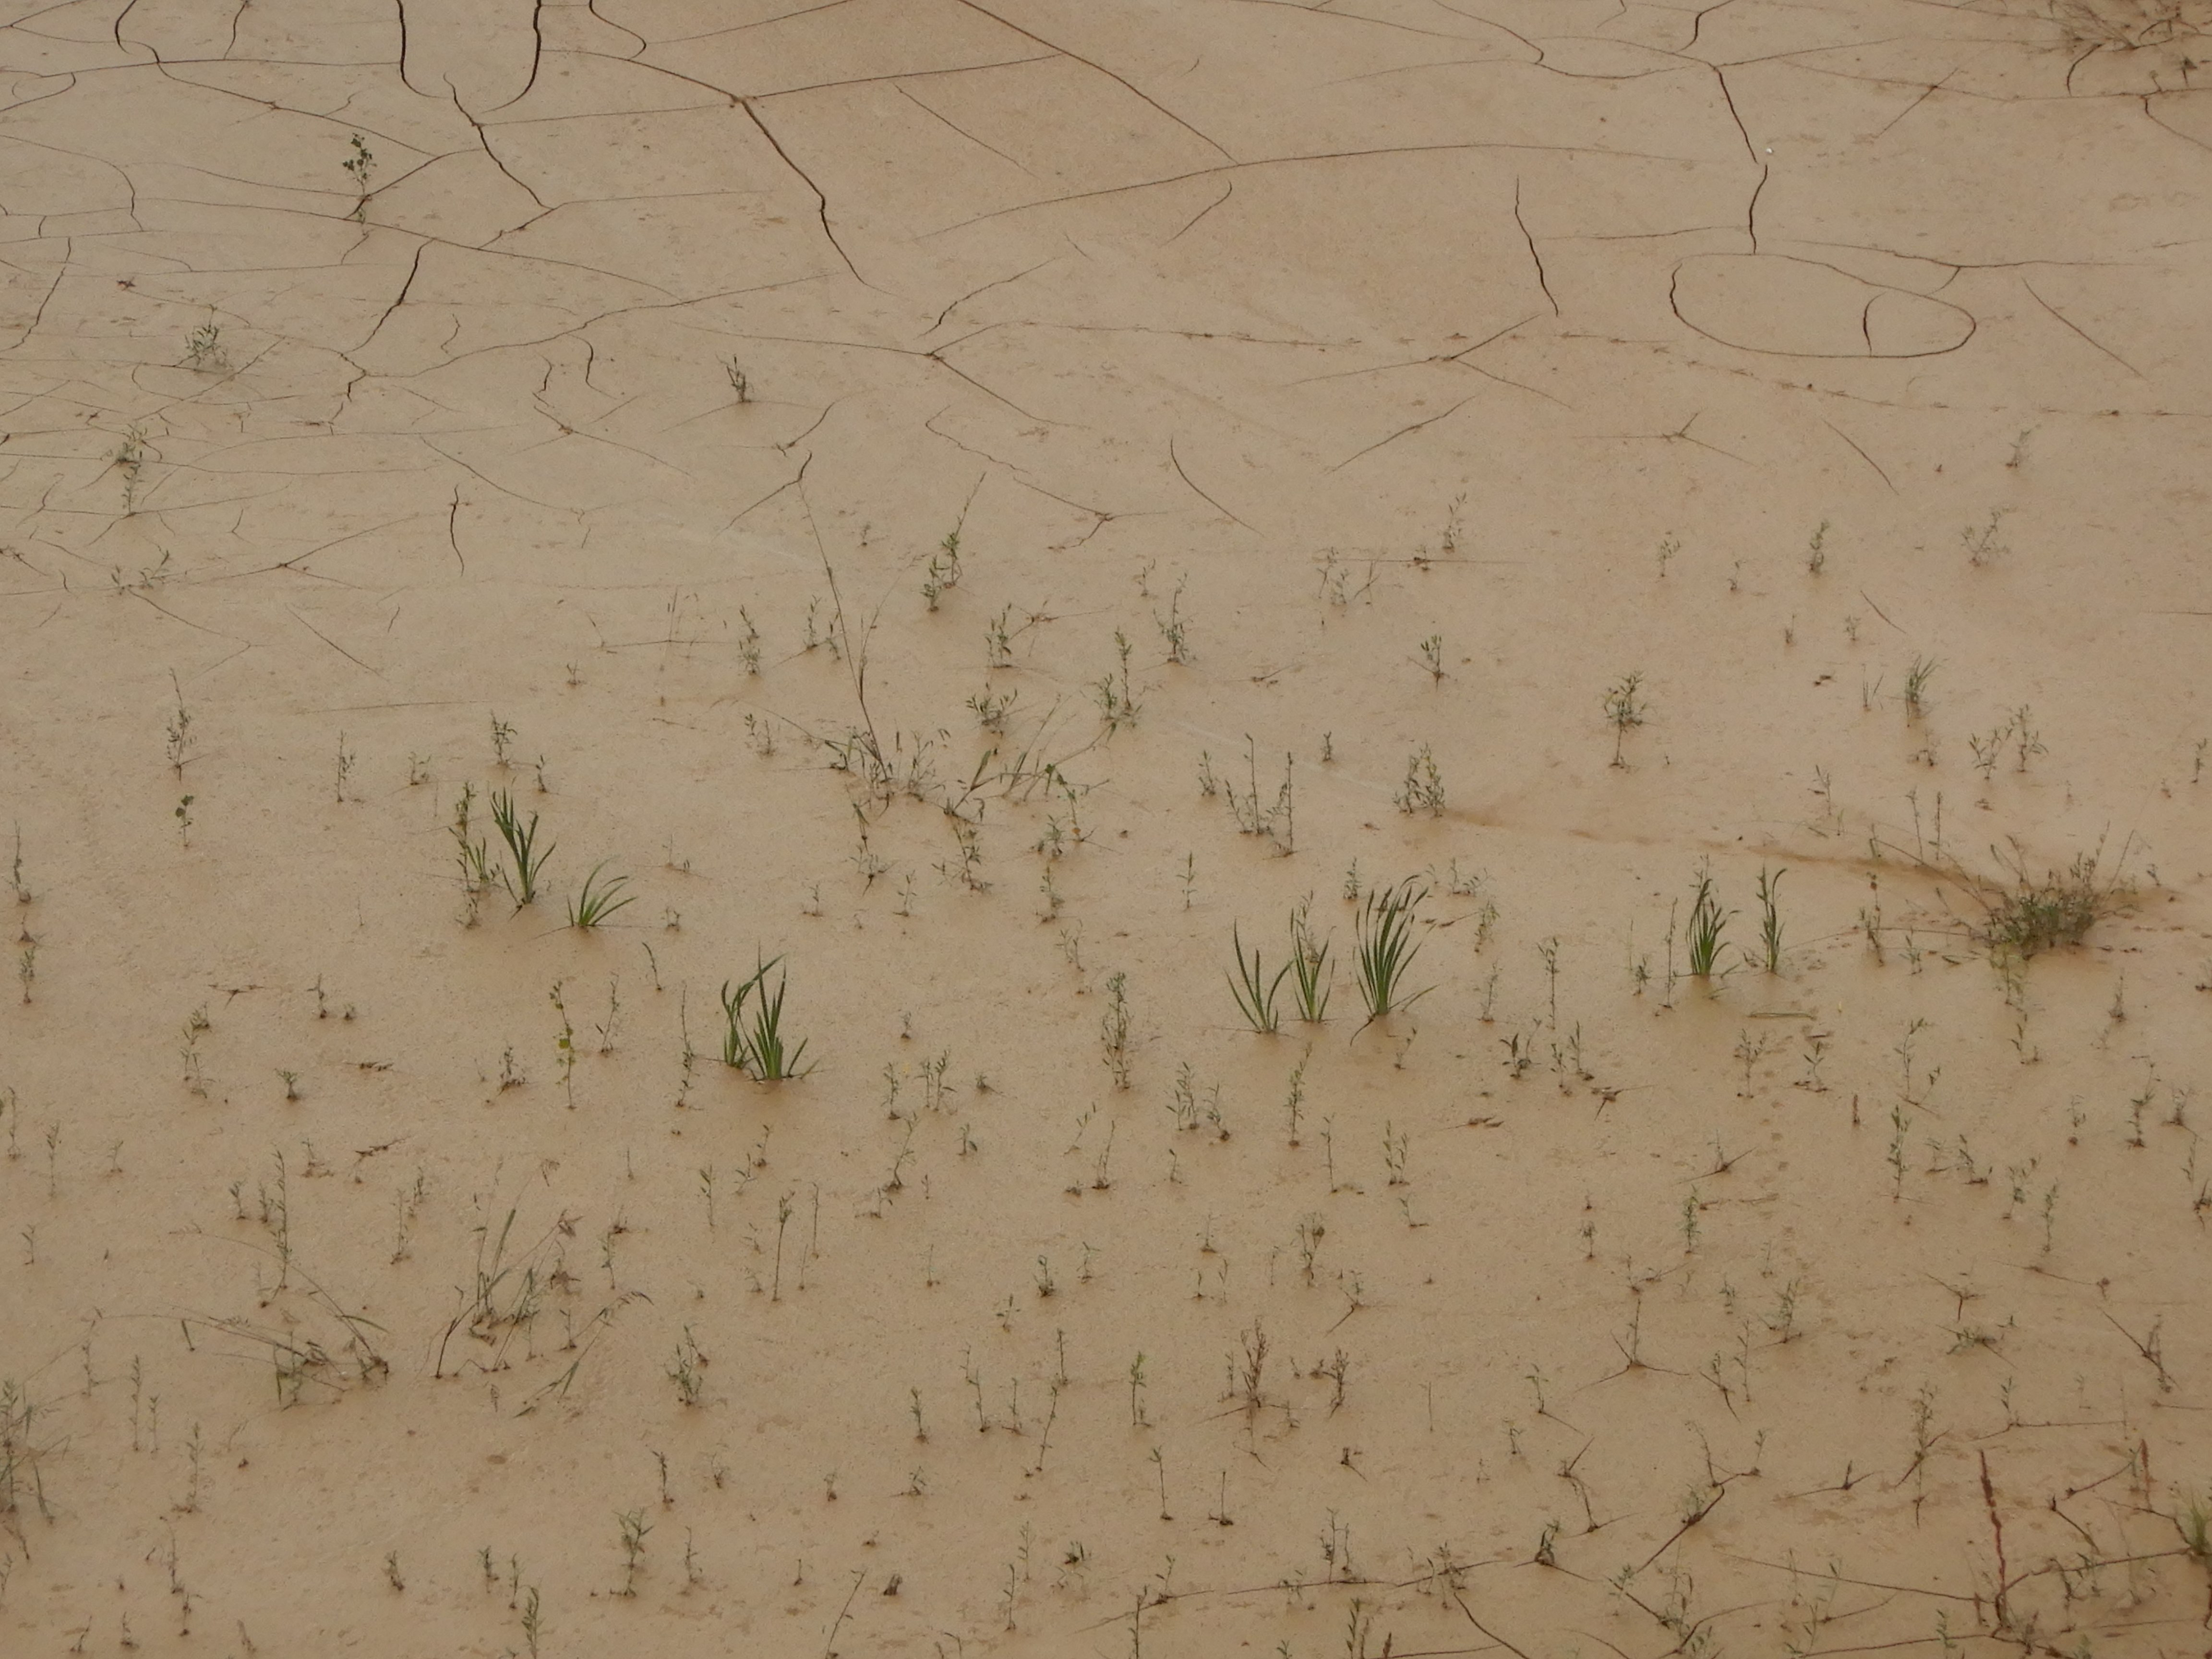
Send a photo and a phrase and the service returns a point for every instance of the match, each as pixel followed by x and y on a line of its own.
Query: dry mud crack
pixel 1469 737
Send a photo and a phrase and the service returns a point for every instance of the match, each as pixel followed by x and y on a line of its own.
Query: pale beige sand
pixel 1553 333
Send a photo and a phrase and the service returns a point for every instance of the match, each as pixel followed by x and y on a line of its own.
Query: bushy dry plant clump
pixel 2125 25
pixel 2023 914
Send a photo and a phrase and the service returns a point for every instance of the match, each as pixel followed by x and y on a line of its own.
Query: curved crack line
pixel 536 55
pixel 1460 146
pixel 1535 257
pixel 1228 189
pixel 1196 490
pixel 1100 69
pixel 1404 430
pixel 986 289
pixel 957 127
pixel 2077 328
pixel 821 202
pixel 1861 453
pixel 332 643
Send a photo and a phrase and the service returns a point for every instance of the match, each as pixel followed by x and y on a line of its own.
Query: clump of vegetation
pixel 2024 914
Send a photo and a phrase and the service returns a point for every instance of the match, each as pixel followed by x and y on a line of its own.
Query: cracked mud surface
pixel 574 401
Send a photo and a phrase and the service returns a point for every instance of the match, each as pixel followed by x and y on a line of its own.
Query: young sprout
pixel 1256 991
pixel 1387 947
pixel 595 904
pixel 521 881
pixel 1708 922
pixel 1624 710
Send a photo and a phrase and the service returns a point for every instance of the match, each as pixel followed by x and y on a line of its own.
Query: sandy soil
pixel 982 503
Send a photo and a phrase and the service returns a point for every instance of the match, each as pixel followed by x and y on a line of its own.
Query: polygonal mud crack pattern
pixel 987 506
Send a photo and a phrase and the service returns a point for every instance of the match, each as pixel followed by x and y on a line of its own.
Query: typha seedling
pixel 1254 991
pixel 521 881
pixel 1309 963
pixel 1432 656
pixel 756 1044
pixel 1387 947
pixel 345 761
pixel 1708 924
pixel 1769 922
pixel 1922 669
pixel 596 901
pixel 740 383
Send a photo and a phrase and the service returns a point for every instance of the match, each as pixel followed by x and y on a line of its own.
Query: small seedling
pixel 1916 686
pixel 358 164
pixel 1256 991
pixel 1770 924
pixel 1175 628
pixel 1309 963
pixel 1113 1029
pixel 1423 790
pixel 521 881
pixel 757 1045
pixel 1433 656
pixel 1625 710
pixel 203 350
pixel 1981 540
pixel 944 571
pixel 1387 946
pixel 740 382
pixel 1816 551
pixel 1708 922
pixel 596 902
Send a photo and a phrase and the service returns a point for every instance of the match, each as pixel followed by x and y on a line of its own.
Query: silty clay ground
pixel 980 504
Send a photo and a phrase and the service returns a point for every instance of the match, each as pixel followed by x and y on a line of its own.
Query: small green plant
pixel 1387 947
pixel 204 349
pixel 2194 1523
pixel 1981 540
pixel 1433 656
pixel 1174 626
pixel 754 1043
pixel 1423 790
pixel 521 840
pixel 130 458
pixel 683 1370
pixel 1816 550
pixel 2024 915
pixel 1256 991
pixel 597 902
pixel 1625 710
pixel 1117 703
pixel 1309 963
pixel 634 1529
pixel 358 164
pixel 1114 1029
pixel 1708 923
pixel 944 570
pixel 740 381
pixel 1769 920
pixel 1916 686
